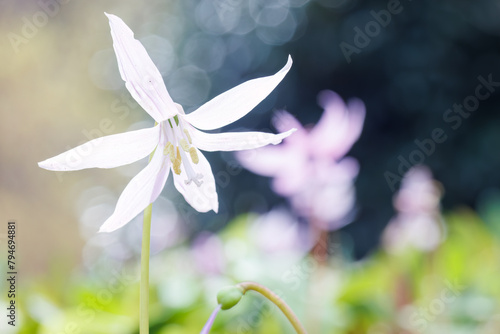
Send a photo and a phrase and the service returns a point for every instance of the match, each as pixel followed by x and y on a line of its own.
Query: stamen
pixel 192 176
pixel 169 150
pixel 177 149
pixel 184 144
pixel 188 136
pixel 176 164
pixel 194 155
pixel 166 149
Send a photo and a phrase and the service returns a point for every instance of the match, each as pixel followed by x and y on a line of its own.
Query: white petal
pixel 141 191
pixel 106 152
pixel 142 78
pixel 235 141
pixel 202 198
pixel 230 106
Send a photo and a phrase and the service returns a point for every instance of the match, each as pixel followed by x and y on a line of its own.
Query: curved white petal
pixel 230 106
pixel 235 141
pixel 141 191
pixel 202 198
pixel 141 76
pixel 106 152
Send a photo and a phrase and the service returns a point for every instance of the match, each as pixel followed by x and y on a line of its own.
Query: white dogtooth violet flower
pixel 176 139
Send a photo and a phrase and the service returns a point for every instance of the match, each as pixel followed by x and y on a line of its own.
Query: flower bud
pixel 229 296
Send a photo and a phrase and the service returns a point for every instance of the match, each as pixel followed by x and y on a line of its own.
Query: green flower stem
pixel 287 311
pixel 146 237
pixel 145 250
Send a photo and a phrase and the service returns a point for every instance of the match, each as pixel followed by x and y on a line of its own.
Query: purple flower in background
pixel 279 221
pixel 310 167
pixel 418 223
pixel 208 254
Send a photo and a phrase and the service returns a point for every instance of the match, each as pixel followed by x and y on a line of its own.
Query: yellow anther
pixel 176 166
pixel 184 144
pixel 188 136
pixel 194 155
pixel 170 151
pixel 176 161
pixel 166 150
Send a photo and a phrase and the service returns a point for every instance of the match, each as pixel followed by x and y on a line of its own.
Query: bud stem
pixel 275 299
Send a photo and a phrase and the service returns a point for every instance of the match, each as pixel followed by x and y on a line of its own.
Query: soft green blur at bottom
pixel 453 289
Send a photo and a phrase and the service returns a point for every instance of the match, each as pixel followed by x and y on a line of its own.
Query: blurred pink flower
pixel 279 222
pixel 208 254
pixel 418 223
pixel 309 167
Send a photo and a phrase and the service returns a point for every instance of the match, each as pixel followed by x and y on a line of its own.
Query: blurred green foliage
pixel 453 289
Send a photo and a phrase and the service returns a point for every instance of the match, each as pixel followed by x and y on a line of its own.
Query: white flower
pixel 175 139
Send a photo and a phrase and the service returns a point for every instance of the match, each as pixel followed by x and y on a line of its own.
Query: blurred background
pixel 399 252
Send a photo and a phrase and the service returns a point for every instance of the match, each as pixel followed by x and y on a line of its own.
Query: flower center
pixel 178 145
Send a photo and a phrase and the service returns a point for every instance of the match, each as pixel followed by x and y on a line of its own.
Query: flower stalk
pixel 276 300
pixel 144 289
pixel 145 254
pixel 230 296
